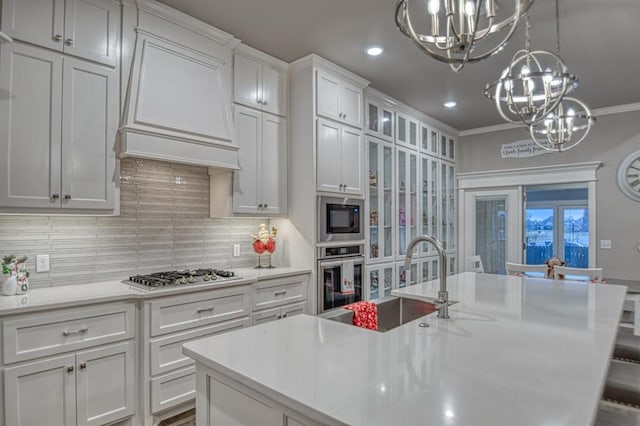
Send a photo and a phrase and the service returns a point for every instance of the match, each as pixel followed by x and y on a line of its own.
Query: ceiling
pixel 599 43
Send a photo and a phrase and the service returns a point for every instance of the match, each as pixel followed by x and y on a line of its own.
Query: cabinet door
pixel 91 30
pixel 274 91
pixel 41 392
pixel 39 22
pixel 105 384
pixel 273 181
pixel 352 160
pixel 90 118
pixel 327 95
pixel 247 82
pixel 351 104
pixel 30 122
pixel 328 167
pixel 245 182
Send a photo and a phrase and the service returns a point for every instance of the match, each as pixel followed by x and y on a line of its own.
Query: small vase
pixel 9 285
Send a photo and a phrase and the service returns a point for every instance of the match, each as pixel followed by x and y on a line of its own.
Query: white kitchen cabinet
pixel 380 120
pixel 407 130
pixel 402 276
pixel 260 186
pixel 338 99
pixel 407 198
pixel 448 215
pixel 61 121
pixel 447 147
pixel 279 298
pixel 83 28
pixel 380 202
pixel 379 282
pixel 429 268
pixel 259 85
pixel 429 224
pixel 429 137
pixel 340 158
pixel 90 387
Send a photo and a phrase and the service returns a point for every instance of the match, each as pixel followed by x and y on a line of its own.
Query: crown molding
pixel 598 112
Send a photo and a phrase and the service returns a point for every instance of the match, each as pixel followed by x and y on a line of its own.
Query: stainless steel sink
pixel 392 312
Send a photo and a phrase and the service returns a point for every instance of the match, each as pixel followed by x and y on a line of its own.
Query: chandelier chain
pixel 558 27
pixel 527 34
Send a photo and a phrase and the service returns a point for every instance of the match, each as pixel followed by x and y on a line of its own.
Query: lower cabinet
pixel 231 403
pixel 91 387
pixel 279 298
pixel 269 315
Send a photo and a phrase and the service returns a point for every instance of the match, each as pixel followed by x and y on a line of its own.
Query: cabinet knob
pixel 66 198
pixel 83 366
pixel 55 197
pixel 57 38
pixel 259 206
pixel 70 369
pixel 279 316
pixel 284 315
pixel 69 42
pixel 266 205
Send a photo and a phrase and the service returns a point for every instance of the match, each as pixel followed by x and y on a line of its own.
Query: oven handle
pixel 358 260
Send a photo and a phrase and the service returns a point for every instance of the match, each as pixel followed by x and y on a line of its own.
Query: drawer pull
pixel 280 293
pixel 284 315
pixel 70 369
pixel 201 310
pixel 83 366
pixel 79 331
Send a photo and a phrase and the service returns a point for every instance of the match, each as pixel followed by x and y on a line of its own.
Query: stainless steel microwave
pixel 340 219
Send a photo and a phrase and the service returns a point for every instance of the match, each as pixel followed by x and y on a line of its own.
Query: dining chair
pixel 577 274
pixel 522 269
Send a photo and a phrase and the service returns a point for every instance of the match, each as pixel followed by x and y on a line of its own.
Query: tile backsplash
pixel 164 224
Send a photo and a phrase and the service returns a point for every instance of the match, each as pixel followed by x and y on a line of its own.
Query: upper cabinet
pixel 259 81
pixel 58 130
pixel 380 119
pixel 340 158
pixel 84 28
pixel 338 100
pixel 447 147
pixel 407 130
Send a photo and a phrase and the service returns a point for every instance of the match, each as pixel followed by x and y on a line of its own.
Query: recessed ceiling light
pixel 374 50
pixel 450 104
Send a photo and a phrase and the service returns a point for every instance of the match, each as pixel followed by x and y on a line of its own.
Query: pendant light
pixel 565 127
pixel 460 31
pixel 533 84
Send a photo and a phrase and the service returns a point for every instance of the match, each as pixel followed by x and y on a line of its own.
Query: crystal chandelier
pixel 533 84
pixel 565 127
pixel 460 31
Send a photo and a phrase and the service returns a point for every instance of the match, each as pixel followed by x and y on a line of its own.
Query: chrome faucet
pixel 443 294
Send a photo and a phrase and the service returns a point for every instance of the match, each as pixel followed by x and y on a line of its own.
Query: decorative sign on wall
pixel 522 149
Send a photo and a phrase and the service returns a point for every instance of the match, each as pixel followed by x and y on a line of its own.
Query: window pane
pixel 539 235
pixel 576 237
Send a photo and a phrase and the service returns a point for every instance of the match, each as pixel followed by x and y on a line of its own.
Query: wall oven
pixel 340 219
pixel 340 275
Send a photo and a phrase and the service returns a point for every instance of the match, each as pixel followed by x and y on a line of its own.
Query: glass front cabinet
pixel 448 205
pixel 380 120
pixel 402 276
pixel 380 202
pixel 406 198
pixel 379 283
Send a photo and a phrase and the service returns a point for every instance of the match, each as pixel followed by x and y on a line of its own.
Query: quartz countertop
pixel 515 351
pixel 43 298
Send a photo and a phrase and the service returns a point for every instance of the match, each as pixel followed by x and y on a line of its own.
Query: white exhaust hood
pixel 177 105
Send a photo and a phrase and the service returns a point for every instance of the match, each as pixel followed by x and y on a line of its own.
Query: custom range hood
pixel 177 101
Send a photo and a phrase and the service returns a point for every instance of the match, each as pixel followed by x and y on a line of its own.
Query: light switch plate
pixel 42 263
pixel 605 244
pixel 236 250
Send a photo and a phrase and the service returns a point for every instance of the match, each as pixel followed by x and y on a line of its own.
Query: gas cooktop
pixel 171 279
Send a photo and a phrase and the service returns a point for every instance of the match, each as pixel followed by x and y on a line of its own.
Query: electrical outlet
pixel 42 263
pixel 605 244
pixel 236 250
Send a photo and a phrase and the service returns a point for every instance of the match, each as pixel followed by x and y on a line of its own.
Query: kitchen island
pixel 516 350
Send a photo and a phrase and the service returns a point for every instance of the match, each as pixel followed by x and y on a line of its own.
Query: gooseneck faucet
pixel 443 294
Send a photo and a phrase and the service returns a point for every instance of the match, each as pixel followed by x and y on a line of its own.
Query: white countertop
pixel 516 351
pixel 44 298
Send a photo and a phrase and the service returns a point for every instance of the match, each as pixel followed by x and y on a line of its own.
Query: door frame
pixel 513 196
pixel 526 176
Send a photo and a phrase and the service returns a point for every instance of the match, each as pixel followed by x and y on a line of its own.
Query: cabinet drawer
pixel 280 291
pixel 198 309
pixel 34 336
pixel 166 352
pixel 172 389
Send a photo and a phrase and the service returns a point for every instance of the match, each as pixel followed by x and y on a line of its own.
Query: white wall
pixel 610 141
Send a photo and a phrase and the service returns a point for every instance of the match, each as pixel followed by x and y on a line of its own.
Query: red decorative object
pixel 365 314
pixel 270 246
pixel 259 247
pixel 264 240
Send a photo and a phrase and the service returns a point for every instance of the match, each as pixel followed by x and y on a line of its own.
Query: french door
pixel 493 227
